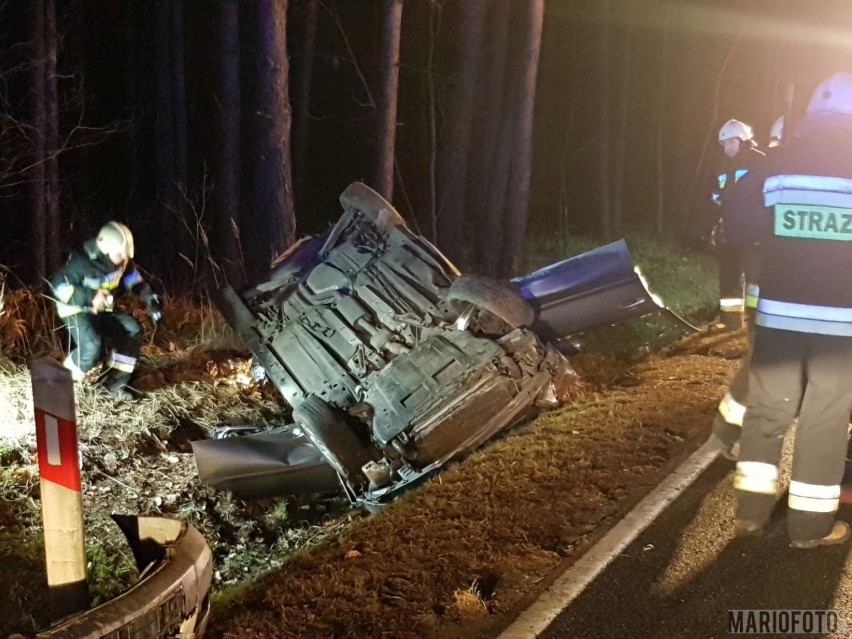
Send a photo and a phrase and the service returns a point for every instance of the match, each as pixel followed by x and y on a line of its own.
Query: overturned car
pixel 393 361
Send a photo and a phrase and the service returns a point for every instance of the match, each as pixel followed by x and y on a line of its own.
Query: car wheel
pixel 373 206
pixel 495 298
pixel 333 437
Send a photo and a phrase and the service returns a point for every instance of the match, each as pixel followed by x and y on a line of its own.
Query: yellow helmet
pixel 114 237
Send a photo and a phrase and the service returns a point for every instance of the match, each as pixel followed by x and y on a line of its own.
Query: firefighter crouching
pixel 84 291
pixel 803 339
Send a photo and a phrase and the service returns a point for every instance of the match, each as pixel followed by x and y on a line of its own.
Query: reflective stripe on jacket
pixel 812 216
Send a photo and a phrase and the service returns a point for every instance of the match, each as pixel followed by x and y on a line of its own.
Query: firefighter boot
pixel 838 534
pixel 115 383
pixel 729 450
pixel 731 321
pixel 746 528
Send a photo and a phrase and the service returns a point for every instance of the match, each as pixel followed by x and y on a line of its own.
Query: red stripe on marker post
pixel 58 457
pixel 61 494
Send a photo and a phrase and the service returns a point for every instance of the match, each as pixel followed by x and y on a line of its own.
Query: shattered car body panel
pixel 260 464
pixel 393 361
pixel 598 287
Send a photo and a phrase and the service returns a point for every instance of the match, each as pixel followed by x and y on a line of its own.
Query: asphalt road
pixel 685 572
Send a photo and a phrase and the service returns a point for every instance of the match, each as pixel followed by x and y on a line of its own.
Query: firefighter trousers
pixel 111 338
pixel 795 374
pixel 727 425
pixel 731 282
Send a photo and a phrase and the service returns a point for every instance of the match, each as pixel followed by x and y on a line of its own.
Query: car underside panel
pixel 430 374
pixel 484 409
pixel 309 359
pixel 418 269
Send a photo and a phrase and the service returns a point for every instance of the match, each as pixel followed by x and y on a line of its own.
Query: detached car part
pixel 171 596
pixel 393 361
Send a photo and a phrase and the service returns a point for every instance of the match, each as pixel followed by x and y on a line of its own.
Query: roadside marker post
pixel 61 497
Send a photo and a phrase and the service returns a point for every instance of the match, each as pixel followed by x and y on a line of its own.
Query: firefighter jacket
pixel 800 211
pixel 728 173
pixel 88 270
pixel 731 170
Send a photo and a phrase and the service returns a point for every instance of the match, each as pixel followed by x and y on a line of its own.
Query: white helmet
pixel 833 95
pixel 735 129
pixel 115 236
pixel 776 132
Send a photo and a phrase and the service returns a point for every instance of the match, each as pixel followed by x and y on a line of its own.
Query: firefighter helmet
pixel 833 95
pixel 735 129
pixel 776 132
pixel 115 237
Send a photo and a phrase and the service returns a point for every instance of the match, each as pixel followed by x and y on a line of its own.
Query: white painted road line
pixel 535 619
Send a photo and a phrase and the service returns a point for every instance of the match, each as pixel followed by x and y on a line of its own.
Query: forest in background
pixel 222 130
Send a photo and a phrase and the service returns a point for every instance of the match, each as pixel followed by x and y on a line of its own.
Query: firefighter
pixel 728 422
pixel 803 339
pixel 84 291
pixel 739 155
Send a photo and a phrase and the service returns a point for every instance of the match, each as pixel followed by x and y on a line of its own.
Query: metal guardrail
pixel 171 597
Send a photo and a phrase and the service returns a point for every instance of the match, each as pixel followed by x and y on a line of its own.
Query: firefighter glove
pixel 155 309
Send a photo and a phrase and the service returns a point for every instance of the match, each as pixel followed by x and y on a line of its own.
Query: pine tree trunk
pixel 226 225
pixel 179 107
pixel 454 144
pixel 484 189
pixel 165 130
pixel 433 126
pixel 493 230
pixel 171 131
pixel 272 180
pixel 659 218
pixel 605 131
pixel 386 134
pixel 53 221
pixel 519 183
pixel 620 143
pixel 37 169
pixel 301 116
pixel 134 151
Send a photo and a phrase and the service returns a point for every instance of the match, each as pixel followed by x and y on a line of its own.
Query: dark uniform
pixel 735 262
pixel 745 243
pixel 108 336
pixel 803 341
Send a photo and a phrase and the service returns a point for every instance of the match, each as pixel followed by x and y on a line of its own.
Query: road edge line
pixel 538 616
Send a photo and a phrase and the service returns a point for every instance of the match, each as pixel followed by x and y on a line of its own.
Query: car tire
pixel 493 297
pixel 373 206
pixel 330 433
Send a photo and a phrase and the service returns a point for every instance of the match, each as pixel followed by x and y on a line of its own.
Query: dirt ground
pixel 458 557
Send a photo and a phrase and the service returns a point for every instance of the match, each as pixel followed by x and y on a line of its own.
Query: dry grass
pixel 27 324
pixel 136 456
pixel 469 601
